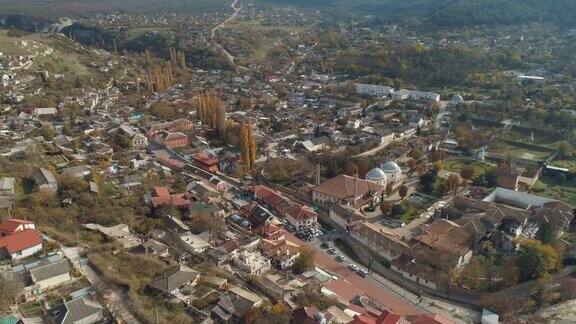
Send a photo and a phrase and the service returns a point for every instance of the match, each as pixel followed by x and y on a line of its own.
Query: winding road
pixel 236 7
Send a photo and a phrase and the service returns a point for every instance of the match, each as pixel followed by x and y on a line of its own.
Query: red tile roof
pixel 205 159
pixel 20 241
pixel 161 196
pixel 8 226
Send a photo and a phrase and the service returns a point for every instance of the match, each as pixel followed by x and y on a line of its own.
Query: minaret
pixel 317 174
pixel 355 187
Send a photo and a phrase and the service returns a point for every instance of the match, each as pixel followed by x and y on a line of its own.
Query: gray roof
pixel 174 278
pixel 237 301
pixel 7 183
pixel 44 176
pixel 48 270
pixel 76 310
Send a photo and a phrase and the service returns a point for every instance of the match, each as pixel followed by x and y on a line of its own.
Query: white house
pixel 252 262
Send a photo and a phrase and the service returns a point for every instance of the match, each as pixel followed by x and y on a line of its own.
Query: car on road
pixel 339 258
pixel 332 250
pixel 363 272
pixel 353 267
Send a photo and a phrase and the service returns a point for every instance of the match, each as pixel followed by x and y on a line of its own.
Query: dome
pixel 376 174
pixel 391 167
pixel 456 100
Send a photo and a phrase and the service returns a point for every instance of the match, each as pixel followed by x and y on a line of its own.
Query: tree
pixel 304 261
pixel 247 145
pixel 70 187
pixel 10 288
pixel 452 183
pixel 565 150
pixel 389 189
pixel 474 274
pixel 467 172
pixel 403 191
pixel 351 168
pixel 396 210
pixel 384 208
pixel 536 259
pixel 510 273
pixel 48 132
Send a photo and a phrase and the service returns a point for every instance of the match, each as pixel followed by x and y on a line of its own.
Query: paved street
pixel 377 285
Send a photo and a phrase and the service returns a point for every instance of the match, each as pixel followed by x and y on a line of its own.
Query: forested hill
pixel 451 13
pixel 459 13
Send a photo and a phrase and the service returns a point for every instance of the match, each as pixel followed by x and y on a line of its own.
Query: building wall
pixel 54 281
pixel 414 278
pixel 26 253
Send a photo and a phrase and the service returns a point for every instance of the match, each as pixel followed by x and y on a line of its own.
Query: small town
pixel 249 161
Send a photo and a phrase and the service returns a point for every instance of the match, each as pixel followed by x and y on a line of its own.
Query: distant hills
pixel 459 13
pixel 452 13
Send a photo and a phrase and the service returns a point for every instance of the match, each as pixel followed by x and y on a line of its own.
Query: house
pixel 79 171
pixel 301 217
pixel 161 196
pixel 315 144
pixel 252 262
pixel 298 215
pixel 48 274
pixel 345 216
pixel 380 240
pixel 234 303
pixel 443 244
pixel 282 252
pixel 307 315
pixel 256 214
pixel 172 140
pixel 174 280
pixel 12 225
pixel 156 248
pixel 137 140
pixel 80 310
pixel 45 180
pixel 205 162
pixel 201 208
pixel 7 186
pixel 373 90
pixel 347 190
pixel 20 245
pixel 179 125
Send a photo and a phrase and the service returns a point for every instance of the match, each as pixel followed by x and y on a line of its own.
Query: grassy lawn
pixel 480 168
pixel 562 190
pixel 518 152
pixel 411 210
pixel 31 309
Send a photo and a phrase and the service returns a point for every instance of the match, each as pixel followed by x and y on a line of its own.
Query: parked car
pixel 339 258
pixel 332 250
pixel 363 272
pixel 353 267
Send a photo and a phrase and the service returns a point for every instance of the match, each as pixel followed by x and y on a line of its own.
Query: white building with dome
pixel 377 176
pixel 392 171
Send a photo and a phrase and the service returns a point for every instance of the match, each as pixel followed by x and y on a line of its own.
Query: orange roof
pixel 20 241
pixel 204 159
pixel 161 191
pixel 11 224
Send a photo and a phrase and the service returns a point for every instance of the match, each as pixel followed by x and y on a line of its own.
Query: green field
pixel 480 168
pixel 553 188
pixel 517 152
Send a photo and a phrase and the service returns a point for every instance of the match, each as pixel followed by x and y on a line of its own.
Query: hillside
pixel 83 8
pixel 461 13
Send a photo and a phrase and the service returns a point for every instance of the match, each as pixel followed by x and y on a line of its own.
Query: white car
pixel 353 267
